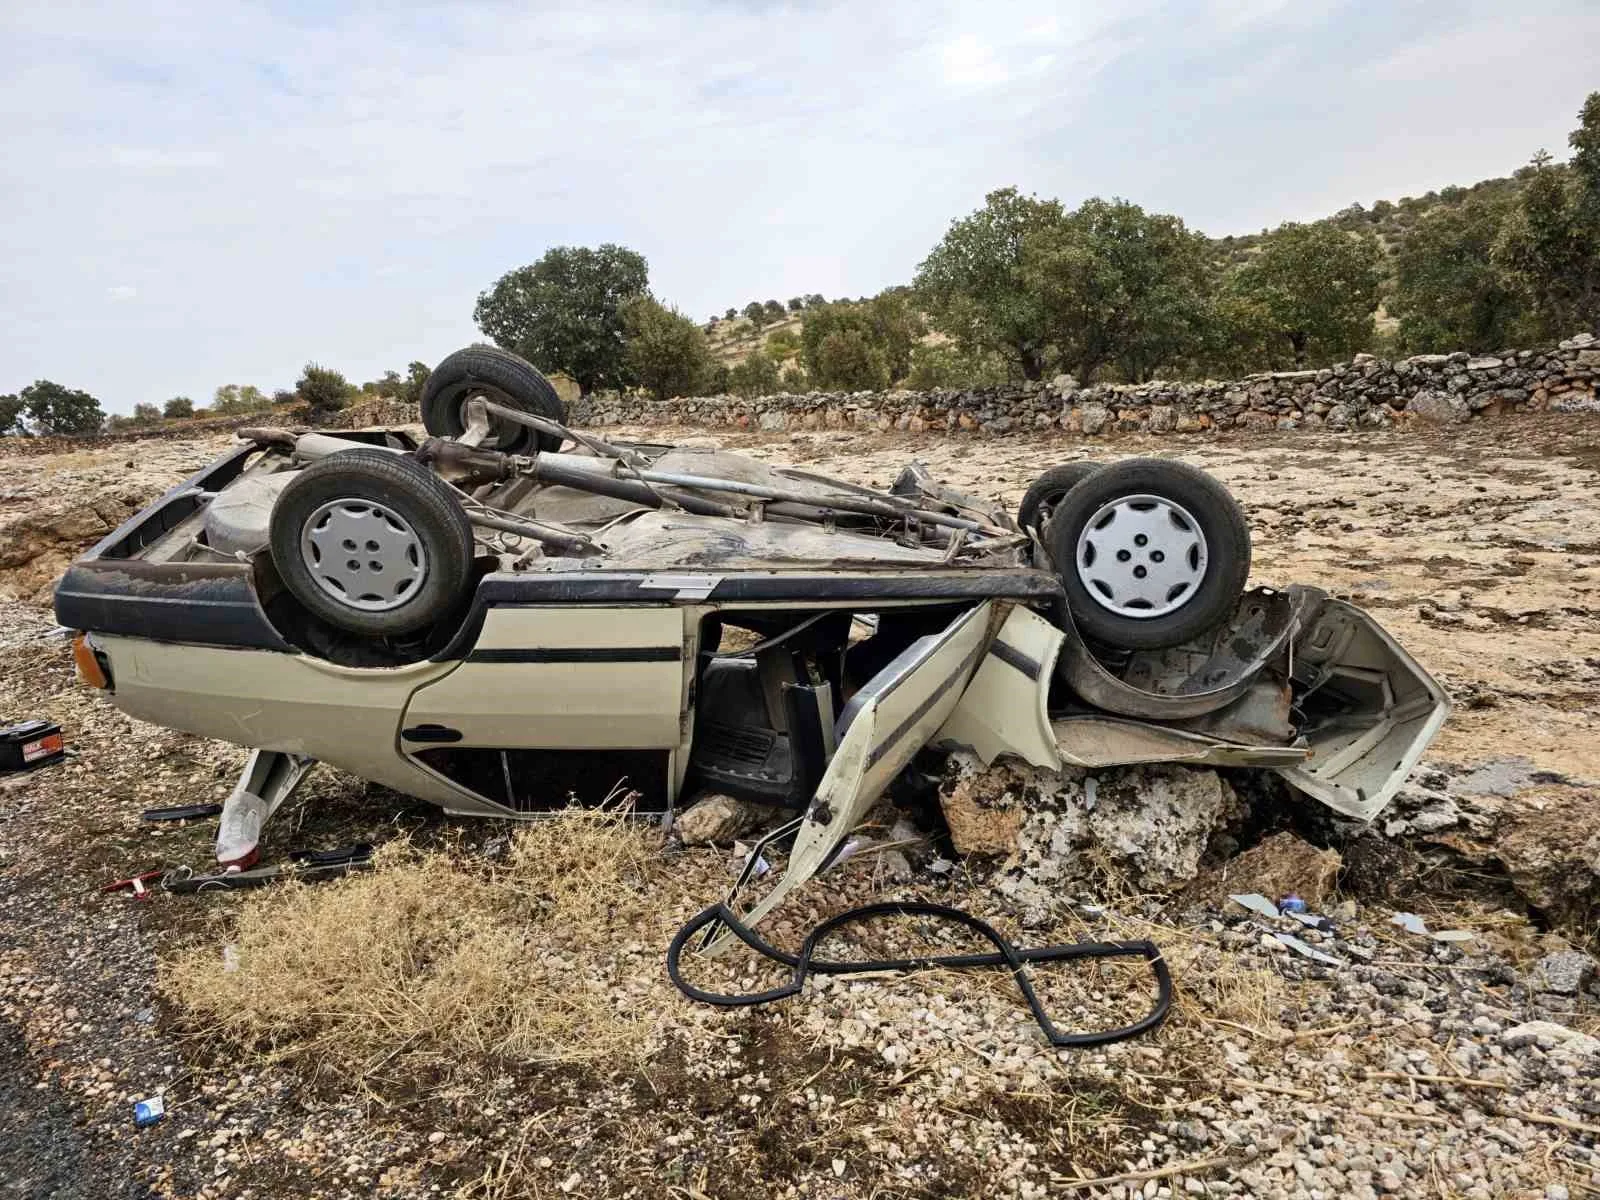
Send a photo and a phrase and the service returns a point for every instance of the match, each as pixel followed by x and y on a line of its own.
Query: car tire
pixel 1047 491
pixel 1151 553
pixel 407 538
pixel 502 377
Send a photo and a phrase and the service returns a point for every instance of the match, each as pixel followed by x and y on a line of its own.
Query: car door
pixel 880 729
pixel 552 701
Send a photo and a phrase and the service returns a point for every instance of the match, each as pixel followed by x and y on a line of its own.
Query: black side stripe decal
pixel 883 748
pixel 1013 657
pixel 580 654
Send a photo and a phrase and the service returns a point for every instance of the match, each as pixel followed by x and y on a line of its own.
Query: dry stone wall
pixel 1367 392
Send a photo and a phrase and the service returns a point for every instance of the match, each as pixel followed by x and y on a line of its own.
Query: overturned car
pixel 515 612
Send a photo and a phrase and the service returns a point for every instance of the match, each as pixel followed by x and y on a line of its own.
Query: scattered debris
pixel 149 1112
pixel 1307 951
pixel 1284 865
pixel 1412 923
pixel 1257 903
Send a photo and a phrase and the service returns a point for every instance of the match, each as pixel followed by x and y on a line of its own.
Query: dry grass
pixel 431 961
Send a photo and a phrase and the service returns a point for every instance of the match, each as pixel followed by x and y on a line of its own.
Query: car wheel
pixel 372 542
pixel 1150 552
pixel 497 375
pixel 1045 493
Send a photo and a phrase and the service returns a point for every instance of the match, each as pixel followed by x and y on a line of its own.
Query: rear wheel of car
pixel 1150 552
pixel 502 377
pixel 372 542
pixel 1046 492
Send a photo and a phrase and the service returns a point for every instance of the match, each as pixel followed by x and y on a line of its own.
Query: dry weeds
pixel 434 961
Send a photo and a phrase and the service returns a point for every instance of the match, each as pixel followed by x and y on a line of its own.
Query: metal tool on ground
pixel 136 884
pixel 304 865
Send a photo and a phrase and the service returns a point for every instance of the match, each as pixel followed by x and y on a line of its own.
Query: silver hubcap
pixel 363 554
pixel 1141 556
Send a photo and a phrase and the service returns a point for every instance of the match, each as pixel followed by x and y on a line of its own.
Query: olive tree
pixel 975 286
pixel 1120 286
pixel 564 312
pixel 52 408
pixel 666 351
pixel 1317 286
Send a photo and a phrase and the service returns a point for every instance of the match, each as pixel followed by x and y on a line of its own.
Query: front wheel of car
pixel 372 542
pixel 1151 553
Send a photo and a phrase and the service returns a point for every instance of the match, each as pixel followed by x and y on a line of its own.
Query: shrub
pixel 324 391
pixel 755 376
pixel 232 400
pixel 178 408
pixel 146 414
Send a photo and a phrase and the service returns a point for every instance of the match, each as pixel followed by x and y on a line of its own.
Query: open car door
pixel 880 730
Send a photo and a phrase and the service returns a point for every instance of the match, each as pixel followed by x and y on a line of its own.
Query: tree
pixel 774 310
pixel 178 408
pixel 783 344
pixel 324 391
pixel 1549 245
pixel 564 313
pixel 757 375
pixel 1448 293
pixel 795 379
pixel 1120 286
pixel 232 400
pixel 850 359
pixel 1318 287
pixel 11 414
pixel 756 313
pixel 146 414
pixel 814 298
pixel 731 314
pixel 667 352
pixel 973 284
pixel 796 303
pixel 941 365
pixel 416 379
pixel 52 408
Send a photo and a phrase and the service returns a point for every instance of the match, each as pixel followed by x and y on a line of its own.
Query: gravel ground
pixel 1411 1068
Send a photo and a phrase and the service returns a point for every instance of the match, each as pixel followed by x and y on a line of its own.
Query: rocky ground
pixel 1404 1066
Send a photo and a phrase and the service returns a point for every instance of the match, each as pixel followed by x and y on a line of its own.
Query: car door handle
pixel 431 733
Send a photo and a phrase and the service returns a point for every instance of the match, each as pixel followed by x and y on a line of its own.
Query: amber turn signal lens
pixel 89 670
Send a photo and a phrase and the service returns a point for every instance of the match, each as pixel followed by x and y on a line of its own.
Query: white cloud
pixel 122 291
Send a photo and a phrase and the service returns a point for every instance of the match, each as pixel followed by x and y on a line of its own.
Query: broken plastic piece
pixel 1291 904
pixel 1256 903
pixel 149 1112
pixel 1412 923
pixel 1306 950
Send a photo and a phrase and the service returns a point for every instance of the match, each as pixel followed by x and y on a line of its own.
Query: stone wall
pixel 1367 392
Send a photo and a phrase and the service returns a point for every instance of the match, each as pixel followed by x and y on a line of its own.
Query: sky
pixel 210 193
